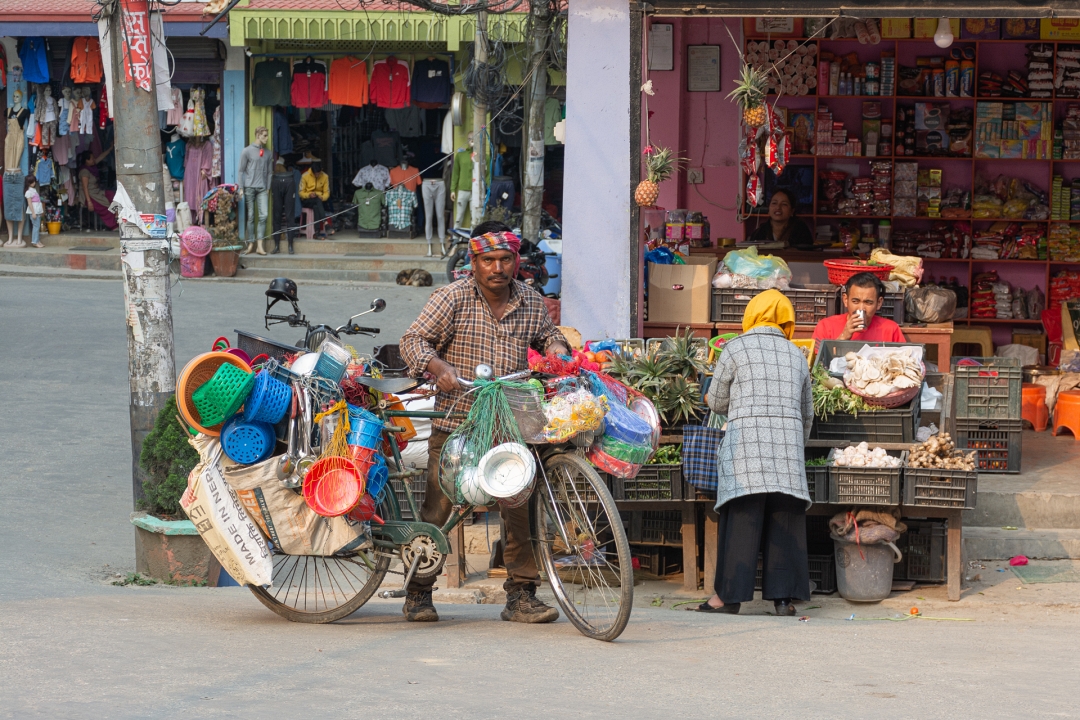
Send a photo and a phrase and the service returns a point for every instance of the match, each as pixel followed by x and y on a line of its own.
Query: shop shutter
pixel 198 61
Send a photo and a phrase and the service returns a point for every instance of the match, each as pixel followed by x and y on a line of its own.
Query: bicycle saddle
pixel 390 386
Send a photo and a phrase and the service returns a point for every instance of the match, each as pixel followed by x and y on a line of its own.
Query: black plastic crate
pixel 923 548
pixel 997 442
pixel 255 345
pixel 990 391
pixel 390 361
pixel 817 483
pixel 822 573
pixel 829 349
pixel 937 487
pixel 897 425
pixel 812 303
pixel 653 527
pixel 818 539
pixel 866 486
pixel 653 482
pixel 657 560
pixel 418 485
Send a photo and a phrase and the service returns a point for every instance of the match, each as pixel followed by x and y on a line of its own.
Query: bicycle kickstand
pixel 386 594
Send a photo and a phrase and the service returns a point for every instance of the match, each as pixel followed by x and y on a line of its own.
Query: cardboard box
pixel 774 27
pixel 1059 28
pixel 980 29
pixel 926 27
pixel 1020 29
pixel 895 28
pixel 681 293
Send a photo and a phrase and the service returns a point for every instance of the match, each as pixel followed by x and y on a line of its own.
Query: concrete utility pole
pixel 480 139
pixel 148 304
pixel 532 191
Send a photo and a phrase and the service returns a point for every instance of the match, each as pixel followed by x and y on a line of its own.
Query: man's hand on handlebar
pixel 446 377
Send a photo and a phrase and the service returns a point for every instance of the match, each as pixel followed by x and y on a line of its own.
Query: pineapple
pixel 659 166
pixel 750 93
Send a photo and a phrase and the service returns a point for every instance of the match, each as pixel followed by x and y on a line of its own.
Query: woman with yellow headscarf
pixel 761 383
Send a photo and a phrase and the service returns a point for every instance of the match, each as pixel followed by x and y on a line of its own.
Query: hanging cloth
pixel 86 64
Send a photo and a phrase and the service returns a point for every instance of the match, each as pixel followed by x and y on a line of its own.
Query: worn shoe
pixel 784 607
pixel 726 608
pixel 523 606
pixel 419 608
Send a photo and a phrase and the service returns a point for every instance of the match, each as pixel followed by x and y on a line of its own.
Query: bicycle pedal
pixel 388 594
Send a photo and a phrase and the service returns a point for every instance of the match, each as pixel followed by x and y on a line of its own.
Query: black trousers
pixel 773 524
pixel 283 199
pixel 316 204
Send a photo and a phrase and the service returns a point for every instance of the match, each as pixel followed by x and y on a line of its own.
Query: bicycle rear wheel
pixel 320 589
pixel 582 545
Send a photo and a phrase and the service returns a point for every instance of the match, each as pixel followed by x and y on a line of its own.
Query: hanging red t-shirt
pixel 389 86
pixel 880 330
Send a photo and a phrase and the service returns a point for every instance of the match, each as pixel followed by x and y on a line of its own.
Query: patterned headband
pixel 490 242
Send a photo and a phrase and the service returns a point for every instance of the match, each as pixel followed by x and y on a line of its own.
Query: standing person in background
pixel 254 180
pixel 34 209
pixel 862 297
pixel 314 192
pixel 283 192
pixel 93 197
pixel 762 384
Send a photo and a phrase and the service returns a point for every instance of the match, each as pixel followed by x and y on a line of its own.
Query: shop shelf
pixel 866 486
pixel 662 527
pixel 937 487
pixel 923 550
pixel 658 561
pixel 990 391
pixel 653 482
pixel 998 443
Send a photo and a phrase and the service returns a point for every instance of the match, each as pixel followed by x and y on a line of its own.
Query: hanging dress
pixel 201 129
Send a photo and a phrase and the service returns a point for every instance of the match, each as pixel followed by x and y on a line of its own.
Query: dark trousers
pixel 773 524
pixel 517 545
pixel 316 204
pixel 283 199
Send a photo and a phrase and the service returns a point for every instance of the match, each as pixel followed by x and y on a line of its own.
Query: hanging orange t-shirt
pixel 86 60
pixel 349 82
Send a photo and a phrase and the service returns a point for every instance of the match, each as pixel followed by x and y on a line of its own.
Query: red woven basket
pixel 840 271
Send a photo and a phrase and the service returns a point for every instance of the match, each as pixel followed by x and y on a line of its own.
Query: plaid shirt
pixel 456 325
pixel 400 202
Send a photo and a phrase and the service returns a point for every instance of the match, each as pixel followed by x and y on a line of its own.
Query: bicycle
pixel 576 531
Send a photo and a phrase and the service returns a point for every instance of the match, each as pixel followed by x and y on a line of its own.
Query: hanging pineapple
pixel 750 93
pixel 660 164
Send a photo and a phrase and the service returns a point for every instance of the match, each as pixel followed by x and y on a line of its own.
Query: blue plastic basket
pixel 377 479
pixel 269 400
pixel 365 429
pixel 247 442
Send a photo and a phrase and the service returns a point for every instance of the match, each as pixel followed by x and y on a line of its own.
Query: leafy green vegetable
pixel 668 455
pixel 817 462
pixel 831 400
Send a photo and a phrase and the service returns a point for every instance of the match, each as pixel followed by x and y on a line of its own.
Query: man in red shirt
pixel 863 292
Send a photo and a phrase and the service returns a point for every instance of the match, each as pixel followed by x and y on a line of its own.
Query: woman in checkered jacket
pixel 762 384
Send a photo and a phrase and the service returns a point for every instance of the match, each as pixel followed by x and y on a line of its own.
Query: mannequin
pixel 49 123
pixel 369 202
pixel 86 113
pixel 17 118
pixel 66 103
pixel 373 173
pixel 174 155
pixel 283 192
pixel 461 185
pixel 256 167
pixel 400 203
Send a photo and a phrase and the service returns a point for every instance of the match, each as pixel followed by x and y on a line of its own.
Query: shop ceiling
pixel 870 8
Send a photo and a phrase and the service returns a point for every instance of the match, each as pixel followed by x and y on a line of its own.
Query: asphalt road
pixel 74 646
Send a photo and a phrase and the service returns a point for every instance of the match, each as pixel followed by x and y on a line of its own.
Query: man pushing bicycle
pixel 493 319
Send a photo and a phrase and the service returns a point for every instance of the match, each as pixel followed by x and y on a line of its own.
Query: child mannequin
pixel 49 122
pixel 86 114
pixel 64 123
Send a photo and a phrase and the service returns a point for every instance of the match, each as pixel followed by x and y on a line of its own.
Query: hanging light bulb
pixel 943 38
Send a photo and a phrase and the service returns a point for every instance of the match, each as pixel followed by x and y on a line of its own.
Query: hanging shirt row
pixel 86 64
pixel 309 84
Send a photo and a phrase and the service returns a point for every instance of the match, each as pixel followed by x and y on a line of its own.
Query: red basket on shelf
pixel 840 271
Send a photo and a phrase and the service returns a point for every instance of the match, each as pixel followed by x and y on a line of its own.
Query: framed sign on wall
pixel 662 46
pixel 703 68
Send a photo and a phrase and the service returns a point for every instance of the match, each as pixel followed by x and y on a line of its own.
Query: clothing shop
pixel 57 126
pixel 373 131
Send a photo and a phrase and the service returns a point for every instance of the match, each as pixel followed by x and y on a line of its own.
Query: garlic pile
pixel 883 374
pixel 940 452
pixel 861 455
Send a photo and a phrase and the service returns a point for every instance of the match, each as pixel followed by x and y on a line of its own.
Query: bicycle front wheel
pixel 582 545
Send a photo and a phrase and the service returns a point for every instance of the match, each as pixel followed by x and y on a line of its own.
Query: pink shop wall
pixel 701 126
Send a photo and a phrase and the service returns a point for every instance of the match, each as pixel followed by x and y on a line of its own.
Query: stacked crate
pixel 987 417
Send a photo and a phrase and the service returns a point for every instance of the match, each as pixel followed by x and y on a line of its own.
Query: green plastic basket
pixel 221 396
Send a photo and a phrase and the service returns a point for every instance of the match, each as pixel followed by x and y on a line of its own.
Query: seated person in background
pixel 783 226
pixel 862 292
pixel 315 193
